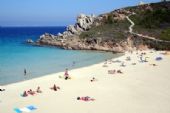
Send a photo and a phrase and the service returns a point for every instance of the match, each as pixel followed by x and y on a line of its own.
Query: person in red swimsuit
pixel 86 98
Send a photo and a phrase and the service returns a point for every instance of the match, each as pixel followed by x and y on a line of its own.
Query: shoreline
pixel 141 87
pixel 62 72
pixel 55 65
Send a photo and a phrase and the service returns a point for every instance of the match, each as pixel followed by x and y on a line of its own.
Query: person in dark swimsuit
pixel 25 71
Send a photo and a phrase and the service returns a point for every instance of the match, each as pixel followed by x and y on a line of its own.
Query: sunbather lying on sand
pixel 114 71
pixel 153 65
pixel 24 94
pixel 2 89
pixel 93 79
pixel 55 88
pixel 31 92
pixel 119 71
pixel 87 98
pixel 111 71
pixel 133 63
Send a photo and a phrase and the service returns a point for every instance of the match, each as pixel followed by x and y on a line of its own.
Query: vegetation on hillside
pixel 108 30
pixel 153 21
pixel 165 34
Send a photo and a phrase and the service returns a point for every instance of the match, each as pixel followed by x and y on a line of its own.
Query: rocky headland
pixel 115 31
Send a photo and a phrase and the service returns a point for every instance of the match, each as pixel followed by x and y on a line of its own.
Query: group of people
pixel 55 88
pixel 31 92
pixel 67 76
pixel 38 90
pixel 115 71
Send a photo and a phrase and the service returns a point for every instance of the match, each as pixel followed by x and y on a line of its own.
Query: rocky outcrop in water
pixel 83 23
pixel 29 41
pixel 69 39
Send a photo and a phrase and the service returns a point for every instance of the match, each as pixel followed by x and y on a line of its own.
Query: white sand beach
pixel 142 88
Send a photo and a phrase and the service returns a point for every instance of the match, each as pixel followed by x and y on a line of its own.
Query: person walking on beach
pixel 25 71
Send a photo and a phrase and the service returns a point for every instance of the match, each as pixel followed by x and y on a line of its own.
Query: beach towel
pixel 17 110
pixel 25 109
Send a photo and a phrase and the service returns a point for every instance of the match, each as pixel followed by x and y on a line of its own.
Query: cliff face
pixel 106 32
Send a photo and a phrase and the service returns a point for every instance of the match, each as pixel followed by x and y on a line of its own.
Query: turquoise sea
pixel 15 55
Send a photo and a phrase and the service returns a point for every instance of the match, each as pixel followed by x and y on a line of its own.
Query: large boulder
pixel 85 21
pixel 72 29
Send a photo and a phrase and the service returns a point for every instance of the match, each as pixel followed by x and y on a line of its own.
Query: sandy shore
pixel 142 88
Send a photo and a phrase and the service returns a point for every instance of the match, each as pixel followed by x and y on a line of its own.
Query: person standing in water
pixel 73 64
pixel 25 71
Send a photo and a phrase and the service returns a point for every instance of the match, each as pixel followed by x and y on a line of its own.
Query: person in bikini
pixel 86 98
pixel 31 92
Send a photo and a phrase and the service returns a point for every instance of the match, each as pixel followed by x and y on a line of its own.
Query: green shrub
pixel 107 31
pixel 165 35
pixel 152 19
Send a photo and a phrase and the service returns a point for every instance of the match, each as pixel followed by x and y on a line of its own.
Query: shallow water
pixel 15 55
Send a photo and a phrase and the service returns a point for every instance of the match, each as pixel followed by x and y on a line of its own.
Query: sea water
pixel 16 55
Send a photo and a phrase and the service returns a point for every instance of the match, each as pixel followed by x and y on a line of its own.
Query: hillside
pixel 152 20
pixel 149 24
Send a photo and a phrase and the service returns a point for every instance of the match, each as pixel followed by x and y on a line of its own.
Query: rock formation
pixel 84 23
pixel 70 39
pixel 29 41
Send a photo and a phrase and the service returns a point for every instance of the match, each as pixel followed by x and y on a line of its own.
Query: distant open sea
pixel 15 55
